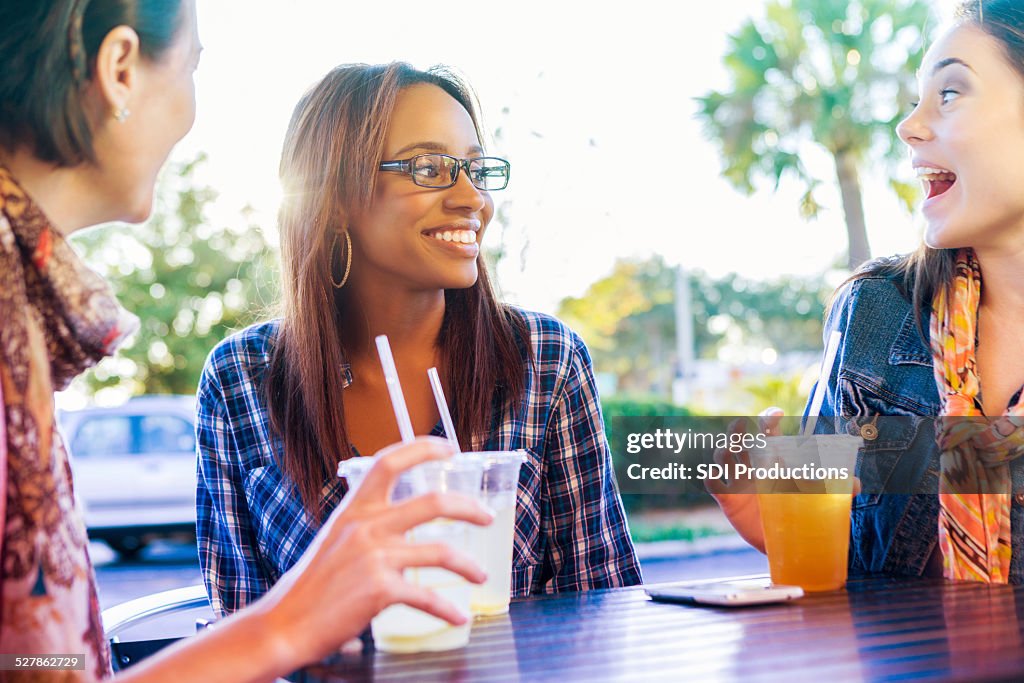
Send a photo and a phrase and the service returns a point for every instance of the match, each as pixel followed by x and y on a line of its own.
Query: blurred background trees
pixel 836 75
pixel 809 80
pixel 628 320
pixel 191 282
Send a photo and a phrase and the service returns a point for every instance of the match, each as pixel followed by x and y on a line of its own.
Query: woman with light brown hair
pixel 937 333
pixel 387 200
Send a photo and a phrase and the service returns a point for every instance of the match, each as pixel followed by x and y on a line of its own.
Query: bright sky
pixel 595 104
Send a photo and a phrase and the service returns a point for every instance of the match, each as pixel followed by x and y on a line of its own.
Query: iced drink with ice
pixel 806 521
pixel 492 545
pixel 402 629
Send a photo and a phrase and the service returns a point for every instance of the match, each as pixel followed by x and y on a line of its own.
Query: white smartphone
pixel 725 593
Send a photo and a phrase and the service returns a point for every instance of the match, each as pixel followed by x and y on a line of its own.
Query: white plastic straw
pixel 826 371
pixel 442 407
pixel 387 361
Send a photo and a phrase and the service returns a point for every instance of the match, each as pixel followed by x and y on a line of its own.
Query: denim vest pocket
pixel 902 458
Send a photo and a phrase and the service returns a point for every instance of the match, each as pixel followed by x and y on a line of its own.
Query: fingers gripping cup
pixel 402 629
pixel 492 545
pixel 805 507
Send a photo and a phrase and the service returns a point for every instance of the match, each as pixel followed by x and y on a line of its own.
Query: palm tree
pixel 836 74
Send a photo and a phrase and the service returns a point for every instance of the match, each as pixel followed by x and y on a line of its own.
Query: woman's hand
pixel 354 567
pixel 738 498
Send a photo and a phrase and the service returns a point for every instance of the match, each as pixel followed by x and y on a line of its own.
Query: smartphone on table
pixel 725 593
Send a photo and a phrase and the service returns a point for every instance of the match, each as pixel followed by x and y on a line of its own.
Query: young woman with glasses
pixel 387 202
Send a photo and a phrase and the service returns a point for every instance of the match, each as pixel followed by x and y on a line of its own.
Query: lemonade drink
pixel 402 629
pixel 492 545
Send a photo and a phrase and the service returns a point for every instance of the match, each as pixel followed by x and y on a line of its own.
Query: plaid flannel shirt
pixel 570 529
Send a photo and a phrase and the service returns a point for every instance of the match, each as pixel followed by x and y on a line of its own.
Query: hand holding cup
pixel 738 498
pixel 354 568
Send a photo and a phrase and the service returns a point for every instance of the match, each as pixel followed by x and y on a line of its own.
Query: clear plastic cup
pixel 492 545
pixel 806 521
pixel 402 629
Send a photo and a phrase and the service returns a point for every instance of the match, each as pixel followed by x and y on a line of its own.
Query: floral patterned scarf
pixel 58 318
pixel 974 484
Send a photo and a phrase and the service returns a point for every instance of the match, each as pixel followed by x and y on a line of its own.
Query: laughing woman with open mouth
pixel 924 334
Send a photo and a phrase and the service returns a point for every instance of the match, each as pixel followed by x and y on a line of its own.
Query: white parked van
pixel 134 469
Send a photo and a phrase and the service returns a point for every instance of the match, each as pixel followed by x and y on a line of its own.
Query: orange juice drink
pixel 806 520
pixel 807 537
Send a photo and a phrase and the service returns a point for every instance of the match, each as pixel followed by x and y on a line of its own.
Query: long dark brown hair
pixel 334 144
pixel 924 272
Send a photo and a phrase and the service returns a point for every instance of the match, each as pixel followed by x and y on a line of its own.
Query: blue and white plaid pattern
pixel 570 532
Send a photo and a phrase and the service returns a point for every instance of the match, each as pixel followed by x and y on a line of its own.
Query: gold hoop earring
pixel 348 259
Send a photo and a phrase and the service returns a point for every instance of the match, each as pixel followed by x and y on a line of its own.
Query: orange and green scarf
pixel 974 484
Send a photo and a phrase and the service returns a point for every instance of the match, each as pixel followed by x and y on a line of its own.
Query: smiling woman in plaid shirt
pixel 387 198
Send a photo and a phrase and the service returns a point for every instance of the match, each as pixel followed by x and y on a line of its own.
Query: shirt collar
pixel 908 348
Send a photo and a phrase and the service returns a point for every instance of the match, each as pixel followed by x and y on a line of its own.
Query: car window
pixel 109 435
pixel 165 434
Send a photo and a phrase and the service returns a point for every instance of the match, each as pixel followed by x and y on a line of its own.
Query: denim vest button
pixel 1019 498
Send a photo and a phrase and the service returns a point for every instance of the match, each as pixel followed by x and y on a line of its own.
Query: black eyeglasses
pixel 439 171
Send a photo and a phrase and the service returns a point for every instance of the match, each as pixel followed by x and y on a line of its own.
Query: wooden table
pixel 876 630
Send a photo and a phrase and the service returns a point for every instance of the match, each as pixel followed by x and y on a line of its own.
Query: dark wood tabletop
pixel 875 630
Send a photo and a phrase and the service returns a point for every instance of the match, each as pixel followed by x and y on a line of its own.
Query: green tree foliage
pixel 628 322
pixel 628 319
pixel 818 72
pixel 780 391
pixel 191 283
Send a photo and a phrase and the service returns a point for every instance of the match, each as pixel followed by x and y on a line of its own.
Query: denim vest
pixel 883 368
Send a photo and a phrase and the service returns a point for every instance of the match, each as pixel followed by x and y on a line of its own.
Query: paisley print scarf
pixel 57 318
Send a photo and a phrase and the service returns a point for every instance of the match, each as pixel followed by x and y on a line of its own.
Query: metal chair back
pixel 139 628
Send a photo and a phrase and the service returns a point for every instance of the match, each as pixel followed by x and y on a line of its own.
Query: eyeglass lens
pixel 439 170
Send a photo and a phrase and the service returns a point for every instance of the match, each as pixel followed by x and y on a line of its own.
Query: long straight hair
pixel 925 272
pixel 334 144
pixel 918 276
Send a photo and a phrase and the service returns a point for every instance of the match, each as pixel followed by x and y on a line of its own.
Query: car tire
pixel 128 547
